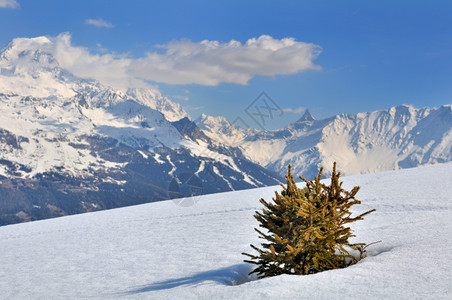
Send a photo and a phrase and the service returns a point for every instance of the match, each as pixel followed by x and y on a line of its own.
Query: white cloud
pixel 297 111
pixel 186 62
pixel 108 68
pixel 99 23
pixel 9 4
pixel 212 62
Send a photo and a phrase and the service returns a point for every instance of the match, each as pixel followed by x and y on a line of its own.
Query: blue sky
pixel 360 55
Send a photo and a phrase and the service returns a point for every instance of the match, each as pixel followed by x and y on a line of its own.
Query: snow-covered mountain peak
pixel 154 99
pixel 213 122
pixel 221 124
pixel 20 46
pixel 28 55
pixel 221 130
pixel 28 68
pixel 307 117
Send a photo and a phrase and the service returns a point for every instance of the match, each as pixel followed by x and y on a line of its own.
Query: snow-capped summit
pixel 155 100
pixel 307 117
pixel 213 122
pixel 20 46
pixel 221 130
pixel 27 68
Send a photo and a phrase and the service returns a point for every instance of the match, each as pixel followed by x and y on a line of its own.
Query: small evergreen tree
pixel 307 230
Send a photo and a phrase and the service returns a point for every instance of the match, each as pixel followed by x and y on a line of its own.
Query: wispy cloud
pixel 9 4
pixel 99 23
pixel 186 62
pixel 298 110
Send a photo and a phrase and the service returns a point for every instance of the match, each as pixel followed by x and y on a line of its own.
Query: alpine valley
pixel 71 145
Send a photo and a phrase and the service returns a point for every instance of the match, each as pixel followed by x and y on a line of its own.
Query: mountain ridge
pixel 399 137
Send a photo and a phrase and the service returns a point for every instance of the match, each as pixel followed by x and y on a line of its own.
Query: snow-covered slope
pixel 49 128
pixel 399 137
pixel 78 141
pixel 164 251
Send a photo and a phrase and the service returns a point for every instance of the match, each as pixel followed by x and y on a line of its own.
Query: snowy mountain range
pixel 399 137
pixel 71 145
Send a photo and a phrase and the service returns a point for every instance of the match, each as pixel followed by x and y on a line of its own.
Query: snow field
pixel 163 251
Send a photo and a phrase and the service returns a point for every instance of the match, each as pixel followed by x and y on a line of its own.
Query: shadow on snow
pixel 233 275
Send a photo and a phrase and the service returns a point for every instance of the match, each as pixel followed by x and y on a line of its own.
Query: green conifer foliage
pixel 307 228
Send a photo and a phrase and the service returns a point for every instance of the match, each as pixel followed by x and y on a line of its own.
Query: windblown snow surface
pixel 164 251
